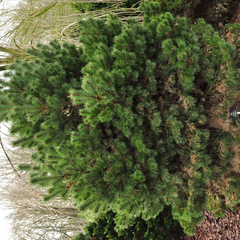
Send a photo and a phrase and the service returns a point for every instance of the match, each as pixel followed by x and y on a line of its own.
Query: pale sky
pixel 5 228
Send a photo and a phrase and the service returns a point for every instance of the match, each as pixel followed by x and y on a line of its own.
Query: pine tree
pixel 130 122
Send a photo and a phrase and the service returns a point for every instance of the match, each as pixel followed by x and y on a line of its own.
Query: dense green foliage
pixel 163 227
pixel 128 122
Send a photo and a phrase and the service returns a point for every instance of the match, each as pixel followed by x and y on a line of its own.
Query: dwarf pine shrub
pixel 135 120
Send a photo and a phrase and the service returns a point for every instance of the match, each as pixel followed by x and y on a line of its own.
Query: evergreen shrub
pixel 135 120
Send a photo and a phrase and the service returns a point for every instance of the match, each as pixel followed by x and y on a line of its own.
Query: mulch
pixel 227 228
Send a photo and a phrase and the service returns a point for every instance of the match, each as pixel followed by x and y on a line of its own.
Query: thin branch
pixel 14 169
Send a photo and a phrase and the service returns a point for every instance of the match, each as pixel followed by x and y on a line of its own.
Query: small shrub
pixel 135 120
pixel 163 227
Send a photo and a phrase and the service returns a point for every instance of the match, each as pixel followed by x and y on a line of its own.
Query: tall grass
pixel 8 55
pixel 34 21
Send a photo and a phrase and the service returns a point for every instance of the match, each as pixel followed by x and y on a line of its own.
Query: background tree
pixel 217 13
